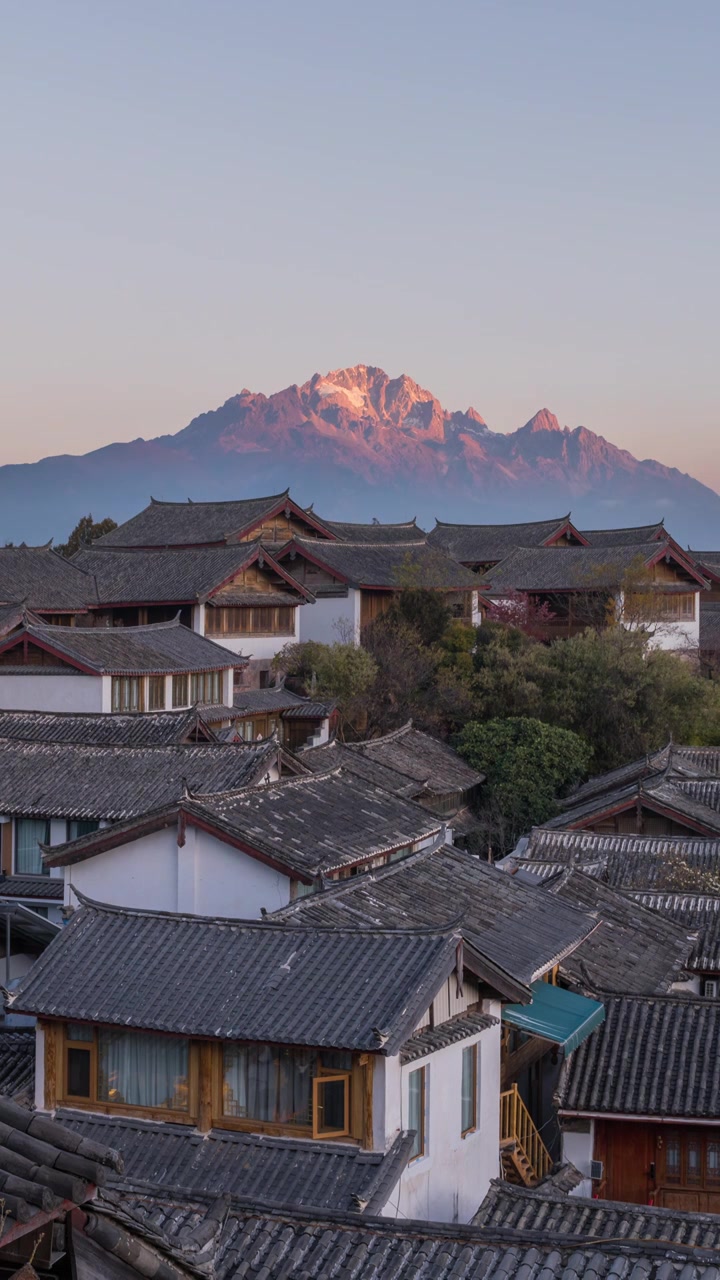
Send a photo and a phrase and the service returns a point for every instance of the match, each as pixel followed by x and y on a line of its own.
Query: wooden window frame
pixel 318 1082
pixel 117 702
pixel 244 620
pixel 471 1128
pixel 200 682
pixel 100 1105
pixel 156 684
pixel 422 1128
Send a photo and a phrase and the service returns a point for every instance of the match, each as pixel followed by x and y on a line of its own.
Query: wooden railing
pixel 518 1126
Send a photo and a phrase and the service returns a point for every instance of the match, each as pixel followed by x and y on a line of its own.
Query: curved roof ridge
pixel 216 502
pixel 504 524
pixel 279 926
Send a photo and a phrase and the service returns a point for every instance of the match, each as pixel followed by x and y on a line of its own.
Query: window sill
pixel 469 1133
pixel 127 1109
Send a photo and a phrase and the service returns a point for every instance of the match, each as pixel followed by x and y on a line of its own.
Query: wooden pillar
pixel 6 842
pixel 51 1064
pixel 368 1103
pixel 205 1089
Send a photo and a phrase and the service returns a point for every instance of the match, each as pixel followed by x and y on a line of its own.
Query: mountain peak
pixel 543 420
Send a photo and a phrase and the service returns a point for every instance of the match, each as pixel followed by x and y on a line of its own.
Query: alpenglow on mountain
pixel 358 444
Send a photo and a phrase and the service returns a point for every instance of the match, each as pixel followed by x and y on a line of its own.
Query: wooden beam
pixel 517 1062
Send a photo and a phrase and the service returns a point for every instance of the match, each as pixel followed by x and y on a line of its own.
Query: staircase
pixel 524 1157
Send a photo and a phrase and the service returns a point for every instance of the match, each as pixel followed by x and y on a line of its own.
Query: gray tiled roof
pixel 159 647
pixel 288 1244
pixel 420 757
pixel 17 1064
pixel 384 564
pixel 632 950
pixel 261 701
pixel 140 729
pixel 11 616
pixel 239 980
pixel 39 888
pixel 697 912
pixel 43 1164
pixel 484 543
pixel 406 531
pixel 625 537
pixel 583 568
pixel 164 524
pixel 334 754
pixel 170 575
pixel 319 822
pixel 69 780
pixel 695 807
pixel 518 931
pixel 590 846
pixel 705 760
pixel 647 766
pixel 638 1062
pixel 430 1039
pixel 41 578
pixel 326 1175
pixel 520 1210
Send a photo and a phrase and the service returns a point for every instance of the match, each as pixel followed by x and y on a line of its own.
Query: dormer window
pixel 288 1087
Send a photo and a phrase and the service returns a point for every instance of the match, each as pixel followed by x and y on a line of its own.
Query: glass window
pixel 180 691
pixel 127 693
pixel 672 1160
pixel 78 1072
pixel 205 687
pixel 416 1111
pixel 143 1070
pixel 77 829
pixel 693 1162
pixel 712 1163
pixel 30 833
pixel 330 1106
pixel 156 693
pixel 468 1092
pixel 268 1082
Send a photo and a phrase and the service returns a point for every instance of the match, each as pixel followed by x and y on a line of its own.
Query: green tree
pixel 527 766
pixel 425 611
pixel 344 672
pixel 612 687
pixel 86 530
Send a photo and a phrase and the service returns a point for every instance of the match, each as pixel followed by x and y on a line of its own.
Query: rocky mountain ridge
pixel 359 444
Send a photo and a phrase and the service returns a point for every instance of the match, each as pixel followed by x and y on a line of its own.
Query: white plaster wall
pixel 450 1181
pixel 679 635
pixel 327 620
pixel 50 693
pixel 204 877
pixel 39 1068
pixel 577 1148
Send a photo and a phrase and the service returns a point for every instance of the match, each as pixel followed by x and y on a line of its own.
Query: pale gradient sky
pixel 515 202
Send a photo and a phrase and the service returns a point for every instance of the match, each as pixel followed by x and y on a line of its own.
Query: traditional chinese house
pixel 642 1095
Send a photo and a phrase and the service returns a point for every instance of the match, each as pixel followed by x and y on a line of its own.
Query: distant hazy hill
pixel 359 444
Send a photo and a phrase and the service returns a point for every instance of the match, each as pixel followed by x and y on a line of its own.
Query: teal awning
pixel 557 1015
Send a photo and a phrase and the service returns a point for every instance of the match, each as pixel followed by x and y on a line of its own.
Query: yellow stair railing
pixel 518 1127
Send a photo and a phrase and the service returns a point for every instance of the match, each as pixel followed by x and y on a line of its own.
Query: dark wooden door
pixel 627 1150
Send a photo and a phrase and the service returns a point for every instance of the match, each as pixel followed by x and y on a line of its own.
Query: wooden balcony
pixel 525 1158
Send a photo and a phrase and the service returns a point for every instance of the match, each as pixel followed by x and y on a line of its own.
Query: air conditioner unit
pixel 710 987
pixel 596 1170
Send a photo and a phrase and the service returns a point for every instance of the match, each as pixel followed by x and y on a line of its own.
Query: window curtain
pixel 29 834
pixel 143 1070
pixel 266 1082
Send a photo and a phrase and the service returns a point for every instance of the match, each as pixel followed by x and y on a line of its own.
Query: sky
pixel 515 202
